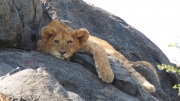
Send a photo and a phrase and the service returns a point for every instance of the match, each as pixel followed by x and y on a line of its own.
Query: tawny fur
pixel 62 41
pixel 3 97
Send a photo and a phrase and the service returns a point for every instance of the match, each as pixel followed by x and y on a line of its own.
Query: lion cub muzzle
pixel 63 55
pixel 62 52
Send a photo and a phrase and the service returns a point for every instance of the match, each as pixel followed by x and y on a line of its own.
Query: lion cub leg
pixel 101 61
pixel 148 86
pixel 132 72
pixel 103 67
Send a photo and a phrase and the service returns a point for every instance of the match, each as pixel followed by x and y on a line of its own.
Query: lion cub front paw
pixel 149 87
pixel 105 73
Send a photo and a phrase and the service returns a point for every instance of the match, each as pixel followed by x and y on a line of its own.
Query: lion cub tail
pixel 148 65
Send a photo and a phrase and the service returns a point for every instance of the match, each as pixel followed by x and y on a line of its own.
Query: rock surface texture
pixel 19 20
pixel 37 85
pixel 42 77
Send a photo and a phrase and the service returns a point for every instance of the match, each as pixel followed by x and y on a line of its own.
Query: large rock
pixel 81 79
pixel 19 20
pixel 72 76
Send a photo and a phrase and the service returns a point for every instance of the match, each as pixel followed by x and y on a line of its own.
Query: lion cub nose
pixel 62 53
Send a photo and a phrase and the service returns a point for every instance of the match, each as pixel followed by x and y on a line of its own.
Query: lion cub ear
pixel 82 35
pixel 47 32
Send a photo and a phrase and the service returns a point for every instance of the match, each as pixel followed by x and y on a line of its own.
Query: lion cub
pixel 62 41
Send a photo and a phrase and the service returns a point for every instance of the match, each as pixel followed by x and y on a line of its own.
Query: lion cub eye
pixel 69 42
pixel 56 41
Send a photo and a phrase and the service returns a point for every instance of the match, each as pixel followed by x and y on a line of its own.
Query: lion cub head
pixel 61 40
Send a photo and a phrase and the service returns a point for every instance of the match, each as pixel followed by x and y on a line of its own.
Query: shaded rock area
pixel 19 20
pixel 42 77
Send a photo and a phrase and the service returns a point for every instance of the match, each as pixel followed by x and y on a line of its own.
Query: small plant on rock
pixel 172 69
